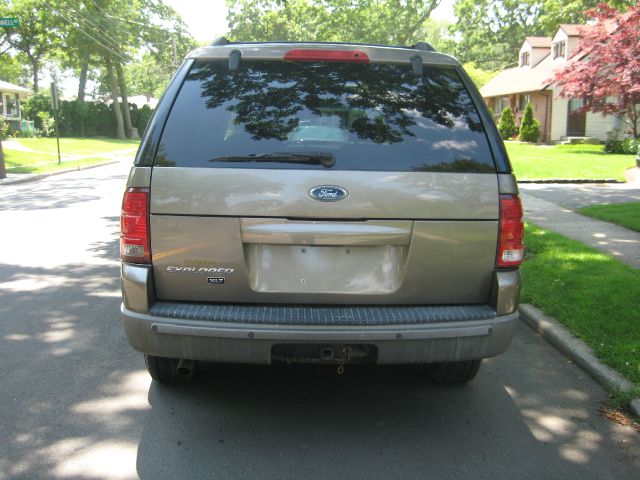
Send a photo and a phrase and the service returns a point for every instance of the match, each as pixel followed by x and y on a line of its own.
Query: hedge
pixel 84 119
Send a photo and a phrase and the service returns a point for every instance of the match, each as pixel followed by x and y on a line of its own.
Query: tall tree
pixel 11 68
pixel 491 32
pixel 111 78
pixel 37 36
pixel 130 131
pixel 605 70
pixel 375 21
pixel 117 29
pixel 147 76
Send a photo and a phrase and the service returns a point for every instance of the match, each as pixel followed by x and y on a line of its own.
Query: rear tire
pixel 453 372
pixel 164 369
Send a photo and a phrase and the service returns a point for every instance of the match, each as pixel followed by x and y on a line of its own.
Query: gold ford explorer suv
pixel 324 203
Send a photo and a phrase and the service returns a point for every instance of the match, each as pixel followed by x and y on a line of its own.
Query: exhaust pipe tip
pixel 185 367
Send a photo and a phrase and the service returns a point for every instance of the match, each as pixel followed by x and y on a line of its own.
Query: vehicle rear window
pixel 275 114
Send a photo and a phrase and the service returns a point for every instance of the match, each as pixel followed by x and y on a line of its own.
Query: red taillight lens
pixel 311 55
pixel 510 247
pixel 134 226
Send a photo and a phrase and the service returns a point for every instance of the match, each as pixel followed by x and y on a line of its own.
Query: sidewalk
pixel 618 242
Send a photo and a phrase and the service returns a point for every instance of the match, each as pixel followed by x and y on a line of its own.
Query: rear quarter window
pixel 376 117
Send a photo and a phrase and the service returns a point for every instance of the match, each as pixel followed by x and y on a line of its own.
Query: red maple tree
pixel 605 68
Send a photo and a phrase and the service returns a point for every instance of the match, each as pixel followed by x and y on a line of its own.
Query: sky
pixel 207 19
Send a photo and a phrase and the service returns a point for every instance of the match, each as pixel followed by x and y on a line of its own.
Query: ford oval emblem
pixel 328 193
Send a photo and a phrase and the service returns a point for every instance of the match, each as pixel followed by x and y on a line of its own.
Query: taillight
pixel 134 226
pixel 510 247
pixel 317 55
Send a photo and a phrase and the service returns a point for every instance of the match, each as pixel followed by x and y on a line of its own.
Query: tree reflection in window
pixel 378 103
pixel 371 117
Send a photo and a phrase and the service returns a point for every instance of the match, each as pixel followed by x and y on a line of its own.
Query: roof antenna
pixel 234 59
pixel 220 41
pixel 424 46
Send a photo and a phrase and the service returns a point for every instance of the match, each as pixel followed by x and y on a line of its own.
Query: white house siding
pixel 559 37
pixel 537 55
pixel 559 118
pixel 598 125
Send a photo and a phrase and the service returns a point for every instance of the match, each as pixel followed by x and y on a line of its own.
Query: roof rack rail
pixel 423 46
pixel 427 47
pixel 219 41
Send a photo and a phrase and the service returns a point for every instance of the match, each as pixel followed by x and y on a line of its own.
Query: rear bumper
pixel 225 341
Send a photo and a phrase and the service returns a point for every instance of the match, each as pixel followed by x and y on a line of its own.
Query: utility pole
pixel 55 105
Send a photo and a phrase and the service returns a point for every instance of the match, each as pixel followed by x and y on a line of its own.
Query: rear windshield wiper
pixel 316 158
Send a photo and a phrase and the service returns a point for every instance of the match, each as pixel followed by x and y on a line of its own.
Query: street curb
pixel 577 351
pixel 40 176
pixel 569 180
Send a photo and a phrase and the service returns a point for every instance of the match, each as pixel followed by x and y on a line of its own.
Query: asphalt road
pixel 78 403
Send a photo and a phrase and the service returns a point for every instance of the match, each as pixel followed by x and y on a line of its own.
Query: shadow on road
pixel 89 410
pixel 66 192
pixel 308 422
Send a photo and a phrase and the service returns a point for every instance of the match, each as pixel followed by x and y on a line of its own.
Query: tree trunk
pixel 114 96
pixel 82 85
pixel 36 70
pixel 3 172
pixel 131 132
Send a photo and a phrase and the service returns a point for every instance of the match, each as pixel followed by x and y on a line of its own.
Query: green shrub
pixel 40 102
pixel 629 146
pixel 507 125
pixel 81 119
pixel 4 128
pixel 530 127
pixel 48 124
pixel 26 134
pixel 144 115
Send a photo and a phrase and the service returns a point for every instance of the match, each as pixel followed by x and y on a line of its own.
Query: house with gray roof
pixel 531 81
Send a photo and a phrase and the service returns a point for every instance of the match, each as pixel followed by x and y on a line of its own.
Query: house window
pixel 522 103
pixel 575 104
pixel 11 105
pixel 525 58
pixel 559 49
pixel 500 105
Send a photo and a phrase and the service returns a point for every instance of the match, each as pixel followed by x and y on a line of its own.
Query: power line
pixel 94 26
pixel 77 25
pixel 107 14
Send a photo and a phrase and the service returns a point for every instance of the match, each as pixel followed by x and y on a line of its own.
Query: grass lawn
pixel 50 167
pixel 40 154
pixel 539 162
pixel 592 294
pixel 625 214
pixel 77 146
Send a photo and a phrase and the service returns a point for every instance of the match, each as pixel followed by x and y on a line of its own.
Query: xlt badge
pixel 215 280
